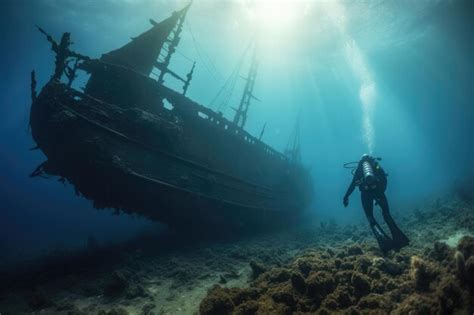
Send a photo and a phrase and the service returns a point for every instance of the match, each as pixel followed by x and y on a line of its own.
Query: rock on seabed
pixel 355 279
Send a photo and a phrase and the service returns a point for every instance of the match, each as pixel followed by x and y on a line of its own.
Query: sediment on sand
pixel 321 268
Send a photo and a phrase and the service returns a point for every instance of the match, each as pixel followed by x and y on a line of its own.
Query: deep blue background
pixel 419 54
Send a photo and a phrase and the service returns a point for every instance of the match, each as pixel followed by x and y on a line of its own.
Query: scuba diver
pixel 372 182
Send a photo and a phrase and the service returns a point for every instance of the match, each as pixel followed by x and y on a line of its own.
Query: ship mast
pixel 293 147
pixel 169 50
pixel 142 54
pixel 240 117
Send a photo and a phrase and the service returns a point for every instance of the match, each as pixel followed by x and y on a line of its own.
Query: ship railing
pixel 64 56
pixel 218 119
pixel 228 126
pixel 79 96
pixel 201 111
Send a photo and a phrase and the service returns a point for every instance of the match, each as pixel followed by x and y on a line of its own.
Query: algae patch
pixel 453 240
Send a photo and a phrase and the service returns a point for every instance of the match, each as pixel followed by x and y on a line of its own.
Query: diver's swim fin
pixel 401 242
pixel 399 238
pixel 385 243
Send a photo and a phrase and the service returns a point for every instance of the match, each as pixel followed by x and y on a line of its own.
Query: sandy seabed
pixel 321 268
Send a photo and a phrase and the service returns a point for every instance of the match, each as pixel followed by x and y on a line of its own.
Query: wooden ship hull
pixel 132 144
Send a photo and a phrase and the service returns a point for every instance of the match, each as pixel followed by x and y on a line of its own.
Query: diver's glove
pixel 345 201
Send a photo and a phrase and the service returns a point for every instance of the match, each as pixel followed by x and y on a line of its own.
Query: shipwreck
pixel 130 143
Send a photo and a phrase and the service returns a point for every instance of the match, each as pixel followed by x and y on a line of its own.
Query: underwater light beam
pixel 355 59
pixel 274 21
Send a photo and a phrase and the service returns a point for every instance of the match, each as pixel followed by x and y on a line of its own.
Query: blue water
pixel 394 78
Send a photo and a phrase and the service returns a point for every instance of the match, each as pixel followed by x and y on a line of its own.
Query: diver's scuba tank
pixel 369 182
pixel 371 178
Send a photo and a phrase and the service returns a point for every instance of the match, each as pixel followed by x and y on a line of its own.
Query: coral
pixel 460 264
pixel 417 304
pixel 303 265
pixel 330 303
pixel 422 273
pixel 257 268
pixel 354 250
pixel 248 308
pixel 466 246
pixel 342 295
pixel 343 276
pixel 362 264
pixel 217 302
pixel 469 274
pixel 374 273
pixel 361 284
pixel 449 294
pixel 114 311
pixel 347 265
pixel 277 275
pixel 353 280
pixel 373 301
pixel 268 306
pixel 303 272
pixel 285 296
pixel 239 296
pixel 298 282
pixel 330 252
pixel 388 266
pixel 320 284
pixel 441 251
pixel 223 301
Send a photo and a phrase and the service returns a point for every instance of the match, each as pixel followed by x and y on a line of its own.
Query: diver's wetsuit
pixel 375 191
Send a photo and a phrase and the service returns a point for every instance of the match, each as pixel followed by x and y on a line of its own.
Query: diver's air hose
pixel 367 170
pixel 351 164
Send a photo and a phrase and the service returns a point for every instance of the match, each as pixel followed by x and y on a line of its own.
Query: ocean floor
pixel 322 268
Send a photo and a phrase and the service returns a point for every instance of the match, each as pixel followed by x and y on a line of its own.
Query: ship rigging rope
pixel 293 143
pixel 206 62
pixel 230 90
pixel 229 86
pixel 227 89
pixel 165 49
pixel 213 101
pixel 184 56
pixel 227 97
